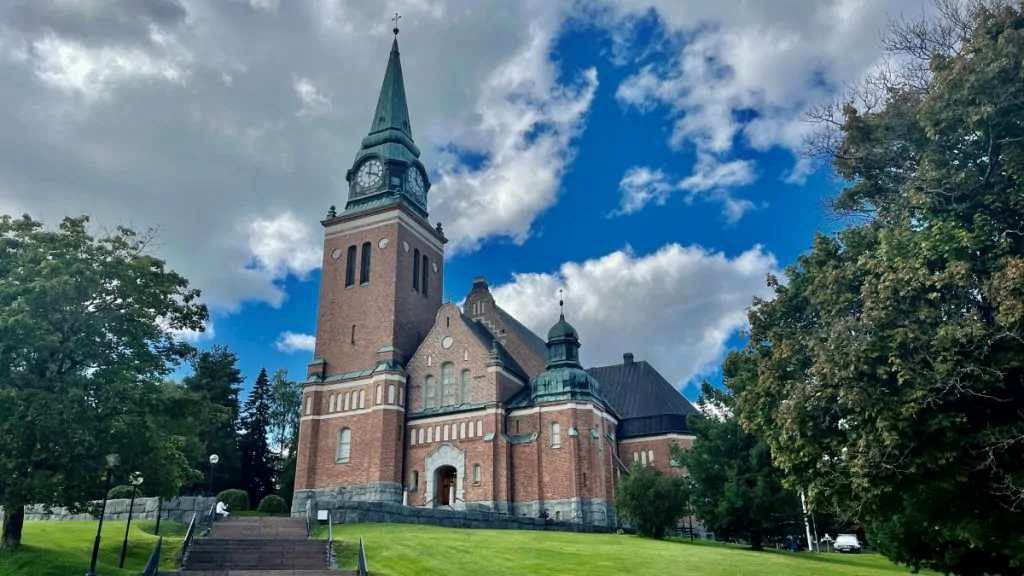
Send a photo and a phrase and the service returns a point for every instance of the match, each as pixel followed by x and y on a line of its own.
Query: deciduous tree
pixel 650 500
pixel 85 340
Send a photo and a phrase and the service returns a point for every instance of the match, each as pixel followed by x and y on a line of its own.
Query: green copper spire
pixel 387 169
pixel 392 109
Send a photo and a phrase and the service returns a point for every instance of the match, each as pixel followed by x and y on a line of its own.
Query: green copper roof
pixel 562 329
pixel 392 108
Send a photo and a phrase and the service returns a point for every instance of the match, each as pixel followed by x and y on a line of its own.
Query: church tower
pixel 383 273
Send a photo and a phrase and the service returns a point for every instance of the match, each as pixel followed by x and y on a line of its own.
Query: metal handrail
pixel 153 566
pixel 330 541
pixel 209 520
pixel 189 534
pixel 361 569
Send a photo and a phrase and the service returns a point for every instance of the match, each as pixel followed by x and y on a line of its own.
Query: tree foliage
pixel 257 462
pixel 650 500
pixel 891 359
pixel 216 382
pixel 84 343
pixel 736 491
pixel 285 408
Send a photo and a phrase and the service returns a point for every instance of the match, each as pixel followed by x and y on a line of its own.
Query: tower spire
pixel 392 108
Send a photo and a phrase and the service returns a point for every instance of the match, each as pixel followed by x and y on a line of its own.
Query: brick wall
pixel 659 445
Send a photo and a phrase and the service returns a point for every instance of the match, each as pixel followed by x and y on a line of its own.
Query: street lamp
pixel 112 461
pixel 213 462
pixel 135 480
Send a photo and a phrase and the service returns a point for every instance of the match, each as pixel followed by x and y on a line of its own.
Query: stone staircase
pixel 258 547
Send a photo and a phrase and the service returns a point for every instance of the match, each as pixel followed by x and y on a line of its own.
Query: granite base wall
pixel 175 509
pixel 354 512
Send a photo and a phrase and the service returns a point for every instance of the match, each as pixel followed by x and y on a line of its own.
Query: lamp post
pixel 112 461
pixel 135 480
pixel 213 462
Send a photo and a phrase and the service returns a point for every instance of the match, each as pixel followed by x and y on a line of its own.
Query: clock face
pixel 415 180
pixel 370 174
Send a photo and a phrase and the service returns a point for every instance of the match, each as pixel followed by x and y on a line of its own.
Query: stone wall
pixel 349 512
pixel 176 509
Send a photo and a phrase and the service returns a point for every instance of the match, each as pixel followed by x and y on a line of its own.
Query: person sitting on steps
pixel 222 510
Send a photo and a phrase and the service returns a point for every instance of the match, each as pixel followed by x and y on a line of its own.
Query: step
pixel 252 544
pixel 263 573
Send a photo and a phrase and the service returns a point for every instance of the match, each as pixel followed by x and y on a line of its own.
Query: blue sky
pixel 642 155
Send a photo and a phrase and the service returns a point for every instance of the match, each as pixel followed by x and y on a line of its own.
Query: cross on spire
pixel 561 303
pixel 395 20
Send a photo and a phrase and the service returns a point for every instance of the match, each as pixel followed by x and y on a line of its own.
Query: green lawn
pixel 408 549
pixel 64 548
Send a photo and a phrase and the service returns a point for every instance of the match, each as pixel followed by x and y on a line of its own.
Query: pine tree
pixel 257 462
pixel 216 379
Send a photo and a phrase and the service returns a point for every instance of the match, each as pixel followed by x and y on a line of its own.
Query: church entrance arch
pixel 446 469
pixel 445 480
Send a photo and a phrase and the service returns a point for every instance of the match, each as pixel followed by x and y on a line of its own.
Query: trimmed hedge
pixel 273 504
pixel 125 492
pixel 236 500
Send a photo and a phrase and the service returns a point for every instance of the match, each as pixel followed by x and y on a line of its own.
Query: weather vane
pixel 561 310
pixel 396 19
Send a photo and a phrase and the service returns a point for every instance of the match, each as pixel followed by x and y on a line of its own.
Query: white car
pixel 847 543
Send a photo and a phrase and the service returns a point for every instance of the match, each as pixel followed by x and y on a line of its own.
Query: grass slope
pixel 64 548
pixel 405 549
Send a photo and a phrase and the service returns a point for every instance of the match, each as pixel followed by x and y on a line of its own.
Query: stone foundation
pixel 328 498
pixel 580 510
pixel 175 509
pixel 352 512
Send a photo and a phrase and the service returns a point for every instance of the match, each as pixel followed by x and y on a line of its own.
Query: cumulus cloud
pixel 290 342
pixel 711 180
pixel 230 125
pixel 675 308
pixel 195 336
pixel 746 76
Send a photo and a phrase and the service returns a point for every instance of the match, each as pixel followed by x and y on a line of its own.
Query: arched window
pixel 430 434
pixel 391 393
pixel 362 399
pixel 380 390
pixel 415 481
pixel 364 264
pixel 416 269
pixel 309 404
pixel 423 271
pixel 445 432
pixel 348 400
pixel 421 436
pixel 476 474
pixel 636 457
pixel 412 436
pixel 350 267
pixel 479 427
pixel 462 430
pixel 466 381
pixel 344 445
pixel 430 397
pixel 330 404
pixel 643 458
pixel 447 384
pixel 556 435
pixel 437 433
pixel 400 390
pixel 650 457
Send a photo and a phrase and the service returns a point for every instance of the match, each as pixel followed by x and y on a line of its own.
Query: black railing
pixel 330 541
pixel 187 543
pixel 153 566
pixel 208 521
pixel 361 568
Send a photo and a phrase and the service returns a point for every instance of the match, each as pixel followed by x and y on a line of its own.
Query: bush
pixel 125 492
pixel 273 504
pixel 236 500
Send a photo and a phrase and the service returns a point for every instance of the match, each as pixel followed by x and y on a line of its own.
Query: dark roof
pixel 487 339
pixel 536 343
pixel 637 391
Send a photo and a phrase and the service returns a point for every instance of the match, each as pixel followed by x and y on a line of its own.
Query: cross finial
pixel 450 296
pixel 396 19
pixel 561 303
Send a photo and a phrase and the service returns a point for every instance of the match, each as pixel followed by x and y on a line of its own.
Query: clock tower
pixel 381 285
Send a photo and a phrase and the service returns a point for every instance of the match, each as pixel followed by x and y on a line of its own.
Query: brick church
pixel 415 401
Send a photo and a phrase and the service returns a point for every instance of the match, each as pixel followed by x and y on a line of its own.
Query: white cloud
pixel 313 101
pixel 750 73
pixel 290 342
pixel 675 308
pixel 711 180
pixel 284 245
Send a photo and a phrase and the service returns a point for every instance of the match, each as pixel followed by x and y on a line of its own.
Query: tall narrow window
pixel 348 398
pixel 380 390
pixel 445 432
pixel 391 393
pixel 430 398
pixel 479 427
pixel 466 381
pixel 636 457
pixel 330 406
pixel 476 474
pixel 309 404
pixel 447 384
pixel 353 333
pixel 584 478
pixel 412 436
pixel 416 269
pixel 415 481
pixel 643 457
pixel 350 267
pixel 556 435
pixel 430 435
pixel 364 264
pixel 462 430
pixel 421 436
pixel 362 399
pixel 423 271
pixel 400 390
pixel 650 457
pixel 344 445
